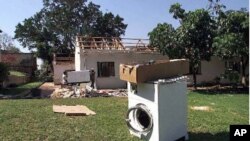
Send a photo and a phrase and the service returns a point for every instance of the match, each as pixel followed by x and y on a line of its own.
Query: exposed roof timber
pixel 113 43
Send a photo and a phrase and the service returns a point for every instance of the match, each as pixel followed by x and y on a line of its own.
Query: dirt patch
pixel 47 89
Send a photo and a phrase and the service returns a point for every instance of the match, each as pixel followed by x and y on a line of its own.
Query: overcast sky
pixel 140 15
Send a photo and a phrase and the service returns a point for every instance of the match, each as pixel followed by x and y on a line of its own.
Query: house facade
pixel 105 55
pixel 106 64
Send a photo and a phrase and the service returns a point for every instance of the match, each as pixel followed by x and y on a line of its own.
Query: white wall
pixel 89 58
pixel 209 70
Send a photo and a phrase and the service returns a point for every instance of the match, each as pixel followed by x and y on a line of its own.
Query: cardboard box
pixel 139 73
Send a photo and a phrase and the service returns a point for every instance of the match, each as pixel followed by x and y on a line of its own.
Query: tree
pixel 215 7
pixel 164 38
pixel 54 27
pixel 232 38
pixel 7 43
pixel 192 40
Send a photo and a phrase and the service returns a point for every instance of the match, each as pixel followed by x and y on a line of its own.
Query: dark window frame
pixel 105 69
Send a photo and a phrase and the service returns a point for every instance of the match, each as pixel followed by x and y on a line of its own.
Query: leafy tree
pixel 164 38
pixel 232 38
pixel 215 7
pixel 54 27
pixel 192 40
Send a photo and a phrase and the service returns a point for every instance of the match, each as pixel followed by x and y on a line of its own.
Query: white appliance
pixel 158 110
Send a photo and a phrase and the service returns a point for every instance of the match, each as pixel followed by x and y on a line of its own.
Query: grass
pixel 19 89
pixel 34 119
pixel 213 125
pixel 17 73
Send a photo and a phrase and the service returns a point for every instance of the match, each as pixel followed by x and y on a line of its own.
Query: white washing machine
pixel 158 110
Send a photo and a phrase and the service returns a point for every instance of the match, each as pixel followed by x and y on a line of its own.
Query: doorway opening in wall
pixel 105 69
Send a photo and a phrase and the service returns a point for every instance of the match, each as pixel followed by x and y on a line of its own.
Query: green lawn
pixel 34 119
pixel 19 89
pixel 17 73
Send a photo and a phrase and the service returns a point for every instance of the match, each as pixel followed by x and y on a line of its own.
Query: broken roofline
pixel 113 43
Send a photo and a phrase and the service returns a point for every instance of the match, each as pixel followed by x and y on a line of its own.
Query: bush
pixel 45 73
pixel 232 76
pixel 4 72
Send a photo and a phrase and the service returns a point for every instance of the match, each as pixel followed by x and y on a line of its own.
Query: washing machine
pixel 157 110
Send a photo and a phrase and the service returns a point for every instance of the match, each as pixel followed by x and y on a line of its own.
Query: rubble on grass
pixel 71 92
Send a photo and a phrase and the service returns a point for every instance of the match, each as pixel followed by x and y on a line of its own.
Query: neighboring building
pixel 23 62
pixel 209 70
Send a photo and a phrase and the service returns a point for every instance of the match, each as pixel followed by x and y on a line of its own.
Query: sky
pixel 140 15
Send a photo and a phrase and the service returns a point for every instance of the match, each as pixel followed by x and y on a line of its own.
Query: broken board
pixel 78 110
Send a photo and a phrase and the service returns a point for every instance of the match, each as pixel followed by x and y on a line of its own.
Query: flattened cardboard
pixel 78 110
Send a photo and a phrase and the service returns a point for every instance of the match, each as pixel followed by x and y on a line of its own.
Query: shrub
pixel 4 72
pixel 232 76
pixel 45 73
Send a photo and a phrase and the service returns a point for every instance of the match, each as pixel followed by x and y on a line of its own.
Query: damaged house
pixel 105 54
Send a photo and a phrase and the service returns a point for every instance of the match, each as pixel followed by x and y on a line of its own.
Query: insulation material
pixel 153 70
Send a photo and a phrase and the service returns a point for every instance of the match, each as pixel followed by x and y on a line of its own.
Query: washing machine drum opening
pixel 143 120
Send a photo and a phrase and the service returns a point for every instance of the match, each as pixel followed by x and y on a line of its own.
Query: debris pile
pixel 66 93
pixel 114 92
pixel 87 92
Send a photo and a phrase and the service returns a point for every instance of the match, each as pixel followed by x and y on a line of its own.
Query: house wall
pixel 89 59
pixel 18 80
pixel 24 62
pixel 209 70
pixel 59 68
pixel 212 69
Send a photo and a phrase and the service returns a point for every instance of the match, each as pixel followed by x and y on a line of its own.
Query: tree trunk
pixel 244 63
pixel 194 78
